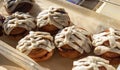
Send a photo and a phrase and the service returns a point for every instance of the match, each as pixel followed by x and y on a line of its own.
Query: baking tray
pixel 80 16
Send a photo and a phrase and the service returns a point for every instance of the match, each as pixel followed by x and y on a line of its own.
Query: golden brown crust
pixel 113 61
pixel 102 68
pixel 45 57
pixel 49 28
pixel 17 30
pixel 114 58
pixel 67 51
pixel 70 54
pixel 35 53
pixel 17 33
pixel 110 54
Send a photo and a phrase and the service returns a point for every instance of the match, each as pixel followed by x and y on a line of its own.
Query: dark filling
pixel 23 7
pixel 117 48
pixel 106 43
pixel 61 11
pixel 49 28
pixel 66 48
pixel 42 57
pixel 2 21
pixel 22 33
pixel 2 18
pixel 1 33
pixel 102 68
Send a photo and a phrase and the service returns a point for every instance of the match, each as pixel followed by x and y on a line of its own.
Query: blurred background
pixel 110 8
pixel 90 4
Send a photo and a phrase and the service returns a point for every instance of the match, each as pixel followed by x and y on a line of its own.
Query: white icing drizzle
pixel 55 16
pixel 70 36
pixel 18 19
pixel 92 63
pixel 112 36
pixel 36 40
pixel 12 4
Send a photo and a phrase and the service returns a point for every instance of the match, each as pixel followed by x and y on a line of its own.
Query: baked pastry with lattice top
pixel 107 44
pixel 92 63
pixel 18 23
pixel 52 20
pixel 73 42
pixel 37 45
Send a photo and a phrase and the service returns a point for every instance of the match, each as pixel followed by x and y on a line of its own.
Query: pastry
pixel 37 45
pixel 92 63
pixel 107 44
pixel 1 23
pixel 18 23
pixel 18 5
pixel 52 20
pixel 73 42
